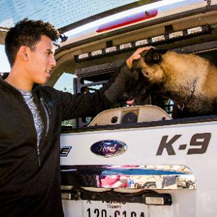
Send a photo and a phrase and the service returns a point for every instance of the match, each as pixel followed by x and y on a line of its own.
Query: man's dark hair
pixel 27 33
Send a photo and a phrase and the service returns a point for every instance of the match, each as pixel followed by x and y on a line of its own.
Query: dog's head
pixel 149 65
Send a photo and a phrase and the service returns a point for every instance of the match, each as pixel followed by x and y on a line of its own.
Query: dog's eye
pixel 156 57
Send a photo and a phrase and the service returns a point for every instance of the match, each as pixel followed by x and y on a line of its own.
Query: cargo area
pixel 93 60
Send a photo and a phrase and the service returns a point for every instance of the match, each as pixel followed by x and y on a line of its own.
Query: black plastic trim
pixel 81 194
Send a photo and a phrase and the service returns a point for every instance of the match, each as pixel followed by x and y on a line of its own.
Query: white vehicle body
pixel 152 168
pixel 142 147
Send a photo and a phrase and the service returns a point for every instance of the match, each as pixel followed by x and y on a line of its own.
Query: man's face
pixel 41 61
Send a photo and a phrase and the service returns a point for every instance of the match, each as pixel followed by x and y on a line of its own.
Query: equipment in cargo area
pixel 129 115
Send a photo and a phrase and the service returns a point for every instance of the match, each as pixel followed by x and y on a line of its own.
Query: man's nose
pixel 53 62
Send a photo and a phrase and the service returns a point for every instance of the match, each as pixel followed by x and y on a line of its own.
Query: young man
pixel 30 120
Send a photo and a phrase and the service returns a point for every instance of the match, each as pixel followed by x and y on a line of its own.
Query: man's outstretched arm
pixel 90 104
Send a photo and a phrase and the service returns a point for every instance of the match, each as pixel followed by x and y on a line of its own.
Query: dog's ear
pixel 153 56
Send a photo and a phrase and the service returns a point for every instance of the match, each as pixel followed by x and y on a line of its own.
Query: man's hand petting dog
pixel 135 57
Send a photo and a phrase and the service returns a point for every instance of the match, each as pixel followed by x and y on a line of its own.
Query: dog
pixel 187 79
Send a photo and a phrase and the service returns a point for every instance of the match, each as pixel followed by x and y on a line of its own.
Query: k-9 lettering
pixel 198 144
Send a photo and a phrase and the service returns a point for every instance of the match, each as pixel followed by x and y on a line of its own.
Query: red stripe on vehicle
pixel 127 20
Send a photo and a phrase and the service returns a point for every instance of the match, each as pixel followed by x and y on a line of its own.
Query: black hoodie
pixel 30 178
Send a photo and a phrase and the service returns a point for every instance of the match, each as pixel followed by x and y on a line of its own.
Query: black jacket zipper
pixel 47 112
pixel 38 154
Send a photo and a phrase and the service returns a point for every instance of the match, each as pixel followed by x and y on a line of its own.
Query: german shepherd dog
pixel 189 80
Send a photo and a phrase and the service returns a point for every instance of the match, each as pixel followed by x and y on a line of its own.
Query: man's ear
pixel 23 53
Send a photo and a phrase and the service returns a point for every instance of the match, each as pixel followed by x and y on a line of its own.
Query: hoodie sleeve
pixel 90 104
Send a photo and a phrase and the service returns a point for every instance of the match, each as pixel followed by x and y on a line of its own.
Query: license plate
pixel 114 209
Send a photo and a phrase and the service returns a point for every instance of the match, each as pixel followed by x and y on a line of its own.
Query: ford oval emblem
pixel 108 148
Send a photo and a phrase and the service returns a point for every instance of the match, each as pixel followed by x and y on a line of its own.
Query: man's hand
pixel 136 55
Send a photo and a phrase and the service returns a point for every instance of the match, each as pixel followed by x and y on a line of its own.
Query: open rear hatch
pixel 127 163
